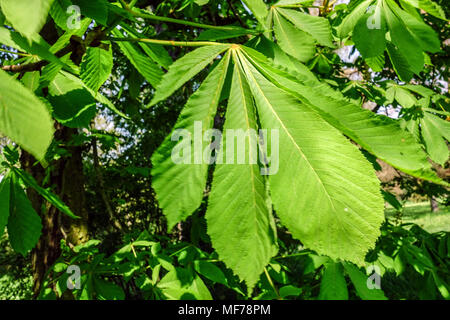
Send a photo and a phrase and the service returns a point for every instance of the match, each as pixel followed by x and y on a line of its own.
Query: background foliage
pixel 357 90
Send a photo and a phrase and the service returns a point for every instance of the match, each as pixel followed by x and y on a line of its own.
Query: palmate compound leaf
pixel 377 134
pixel 184 69
pixel 325 192
pixel 239 218
pixel 179 186
pixel 26 16
pixel 23 117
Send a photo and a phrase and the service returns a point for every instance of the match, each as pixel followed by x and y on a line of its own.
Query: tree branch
pixel 170 42
pixel 36 66
pixel 142 14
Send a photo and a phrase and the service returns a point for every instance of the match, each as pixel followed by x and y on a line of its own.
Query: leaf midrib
pixel 290 136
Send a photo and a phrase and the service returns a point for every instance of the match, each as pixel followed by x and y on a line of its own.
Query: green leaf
pixel 399 63
pixel 64 39
pixel 318 27
pixel 5 190
pixel 26 16
pixel 214 34
pixel 436 147
pixel 146 67
pixel 156 52
pixel 290 291
pixel 24 224
pixel 392 200
pixel 423 91
pixel 2 17
pixel 72 104
pixel 24 118
pixel 369 130
pixel 429 6
pixel 293 41
pixel 106 290
pixel 422 33
pixel 184 69
pixel 326 215
pixel 96 67
pixel 46 194
pixel 181 284
pixel 282 60
pixel 442 125
pixel 98 97
pixel 239 217
pixel 31 80
pixel 370 42
pixel 95 9
pixel 359 280
pixel 210 271
pixel 333 285
pixel 186 181
pixel 376 63
pixel 349 22
pixel 37 47
pixel 58 11
pixel 403 39
pixel 259 10
pixel 405 98
pixel 441 286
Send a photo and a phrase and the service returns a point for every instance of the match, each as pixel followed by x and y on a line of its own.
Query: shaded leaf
pixel 23 117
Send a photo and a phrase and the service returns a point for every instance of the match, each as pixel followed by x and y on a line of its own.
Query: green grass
pixel 420 214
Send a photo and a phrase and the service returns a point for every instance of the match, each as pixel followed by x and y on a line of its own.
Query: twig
pixel 233 9
pixel 170 42
pixel 17 53
pixel 36 66
pixel 272 284
pixel 172 20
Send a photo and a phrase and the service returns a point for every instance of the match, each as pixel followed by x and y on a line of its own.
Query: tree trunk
pixel 67 181
pixel 434 204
